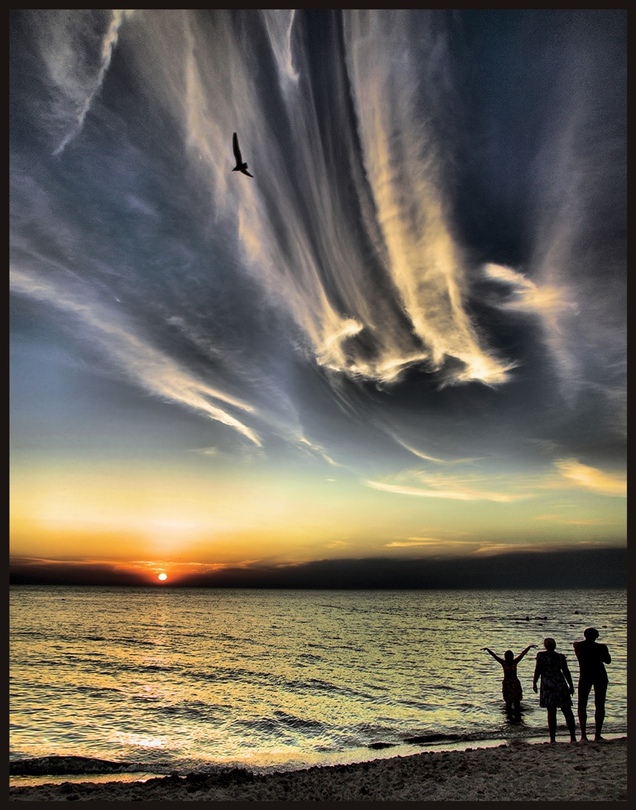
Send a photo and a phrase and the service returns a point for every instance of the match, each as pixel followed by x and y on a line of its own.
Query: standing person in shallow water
pixel 557 687
pixel 592 658
pixel 511 685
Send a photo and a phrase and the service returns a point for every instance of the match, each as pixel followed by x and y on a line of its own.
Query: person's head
pixel 509 655
pixel 549 644
pixel 591 633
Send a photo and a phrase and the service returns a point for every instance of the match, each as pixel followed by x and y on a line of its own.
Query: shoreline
pixel 591 771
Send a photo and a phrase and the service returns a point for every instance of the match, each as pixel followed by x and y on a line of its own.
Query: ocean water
pixel 180 680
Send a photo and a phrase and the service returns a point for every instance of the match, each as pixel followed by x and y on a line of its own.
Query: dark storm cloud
pixel 53 572
pixel 432 246
pixel 580 568
pixel 560 569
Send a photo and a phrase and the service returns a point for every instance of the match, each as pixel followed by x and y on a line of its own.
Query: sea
pixel 136 682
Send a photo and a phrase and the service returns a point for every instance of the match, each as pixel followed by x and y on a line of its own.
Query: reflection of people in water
pixel 556 687
pixel 592 657
pixel 511 685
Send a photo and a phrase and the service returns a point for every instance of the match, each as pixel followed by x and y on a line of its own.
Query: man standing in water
pixel 592 657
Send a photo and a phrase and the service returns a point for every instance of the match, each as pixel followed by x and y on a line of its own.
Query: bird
pixel 240 166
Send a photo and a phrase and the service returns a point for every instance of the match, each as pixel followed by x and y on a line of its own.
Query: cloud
pixel 144 364
pixel 558 311
pixel 76 47
pixel 546 301
pixel 443 545
pixel 414 541
pixel 496 567
pixel 426 456
pixel 586 477
pixel 403 161
pixel 279 24
pixel 474 486
pixel 29 570
pixel 460 488
pixel 569 521
pixel 350 306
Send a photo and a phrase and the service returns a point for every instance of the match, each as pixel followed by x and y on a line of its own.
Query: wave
pixel 53 765
pixel 423 739
pixel 56 766
pixel 437 739
pixel 279 722
pixel 263 677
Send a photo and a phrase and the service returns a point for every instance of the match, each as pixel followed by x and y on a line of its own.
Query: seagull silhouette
pixel 240 166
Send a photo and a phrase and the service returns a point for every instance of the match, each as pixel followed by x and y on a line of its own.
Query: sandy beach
pixel 516 772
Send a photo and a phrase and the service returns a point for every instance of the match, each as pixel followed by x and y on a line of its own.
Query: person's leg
pixel 552 724
pixel 583 695
pixel 600 691
pixel 569 721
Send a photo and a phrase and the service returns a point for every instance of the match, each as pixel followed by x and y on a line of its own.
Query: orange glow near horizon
pixel 153 519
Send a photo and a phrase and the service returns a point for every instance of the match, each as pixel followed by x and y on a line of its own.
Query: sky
pixel 396 354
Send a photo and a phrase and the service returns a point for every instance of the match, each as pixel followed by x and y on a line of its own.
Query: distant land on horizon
pixel 567 569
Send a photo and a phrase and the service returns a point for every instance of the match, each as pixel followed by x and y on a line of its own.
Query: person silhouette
pixel 592 657
pixel 556 687
pixel 510 684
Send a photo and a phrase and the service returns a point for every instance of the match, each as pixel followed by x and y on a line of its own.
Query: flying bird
pixel 240 166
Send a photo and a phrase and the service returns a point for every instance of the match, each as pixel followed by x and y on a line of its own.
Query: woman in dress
pixel 511 685
pixel 557 687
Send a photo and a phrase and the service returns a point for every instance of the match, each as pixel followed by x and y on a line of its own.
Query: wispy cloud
pixel 279 24
pixel 591 478
pixel 338 544
pixel 526 296
pixel 432 543
pixel 447 488
pixel 131 354
pixel 77 50
pixel 425 456
pixel 425 263
pixel 570 521
pixel 315 449
pixel 296 245
pixel 477 486
pixel 488 549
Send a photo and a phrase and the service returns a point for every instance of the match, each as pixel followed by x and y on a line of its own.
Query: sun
pixel 163 577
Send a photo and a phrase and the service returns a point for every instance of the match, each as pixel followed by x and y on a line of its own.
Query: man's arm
pixel 568 675
pixel 537 673
pixel 605 656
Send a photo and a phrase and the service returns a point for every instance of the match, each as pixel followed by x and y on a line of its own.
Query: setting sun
pixel 163 577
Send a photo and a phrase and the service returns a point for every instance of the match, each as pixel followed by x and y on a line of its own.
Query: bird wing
pixel 247 173
pixel 237 151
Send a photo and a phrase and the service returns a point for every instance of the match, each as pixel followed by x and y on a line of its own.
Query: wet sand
pixel 516 772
